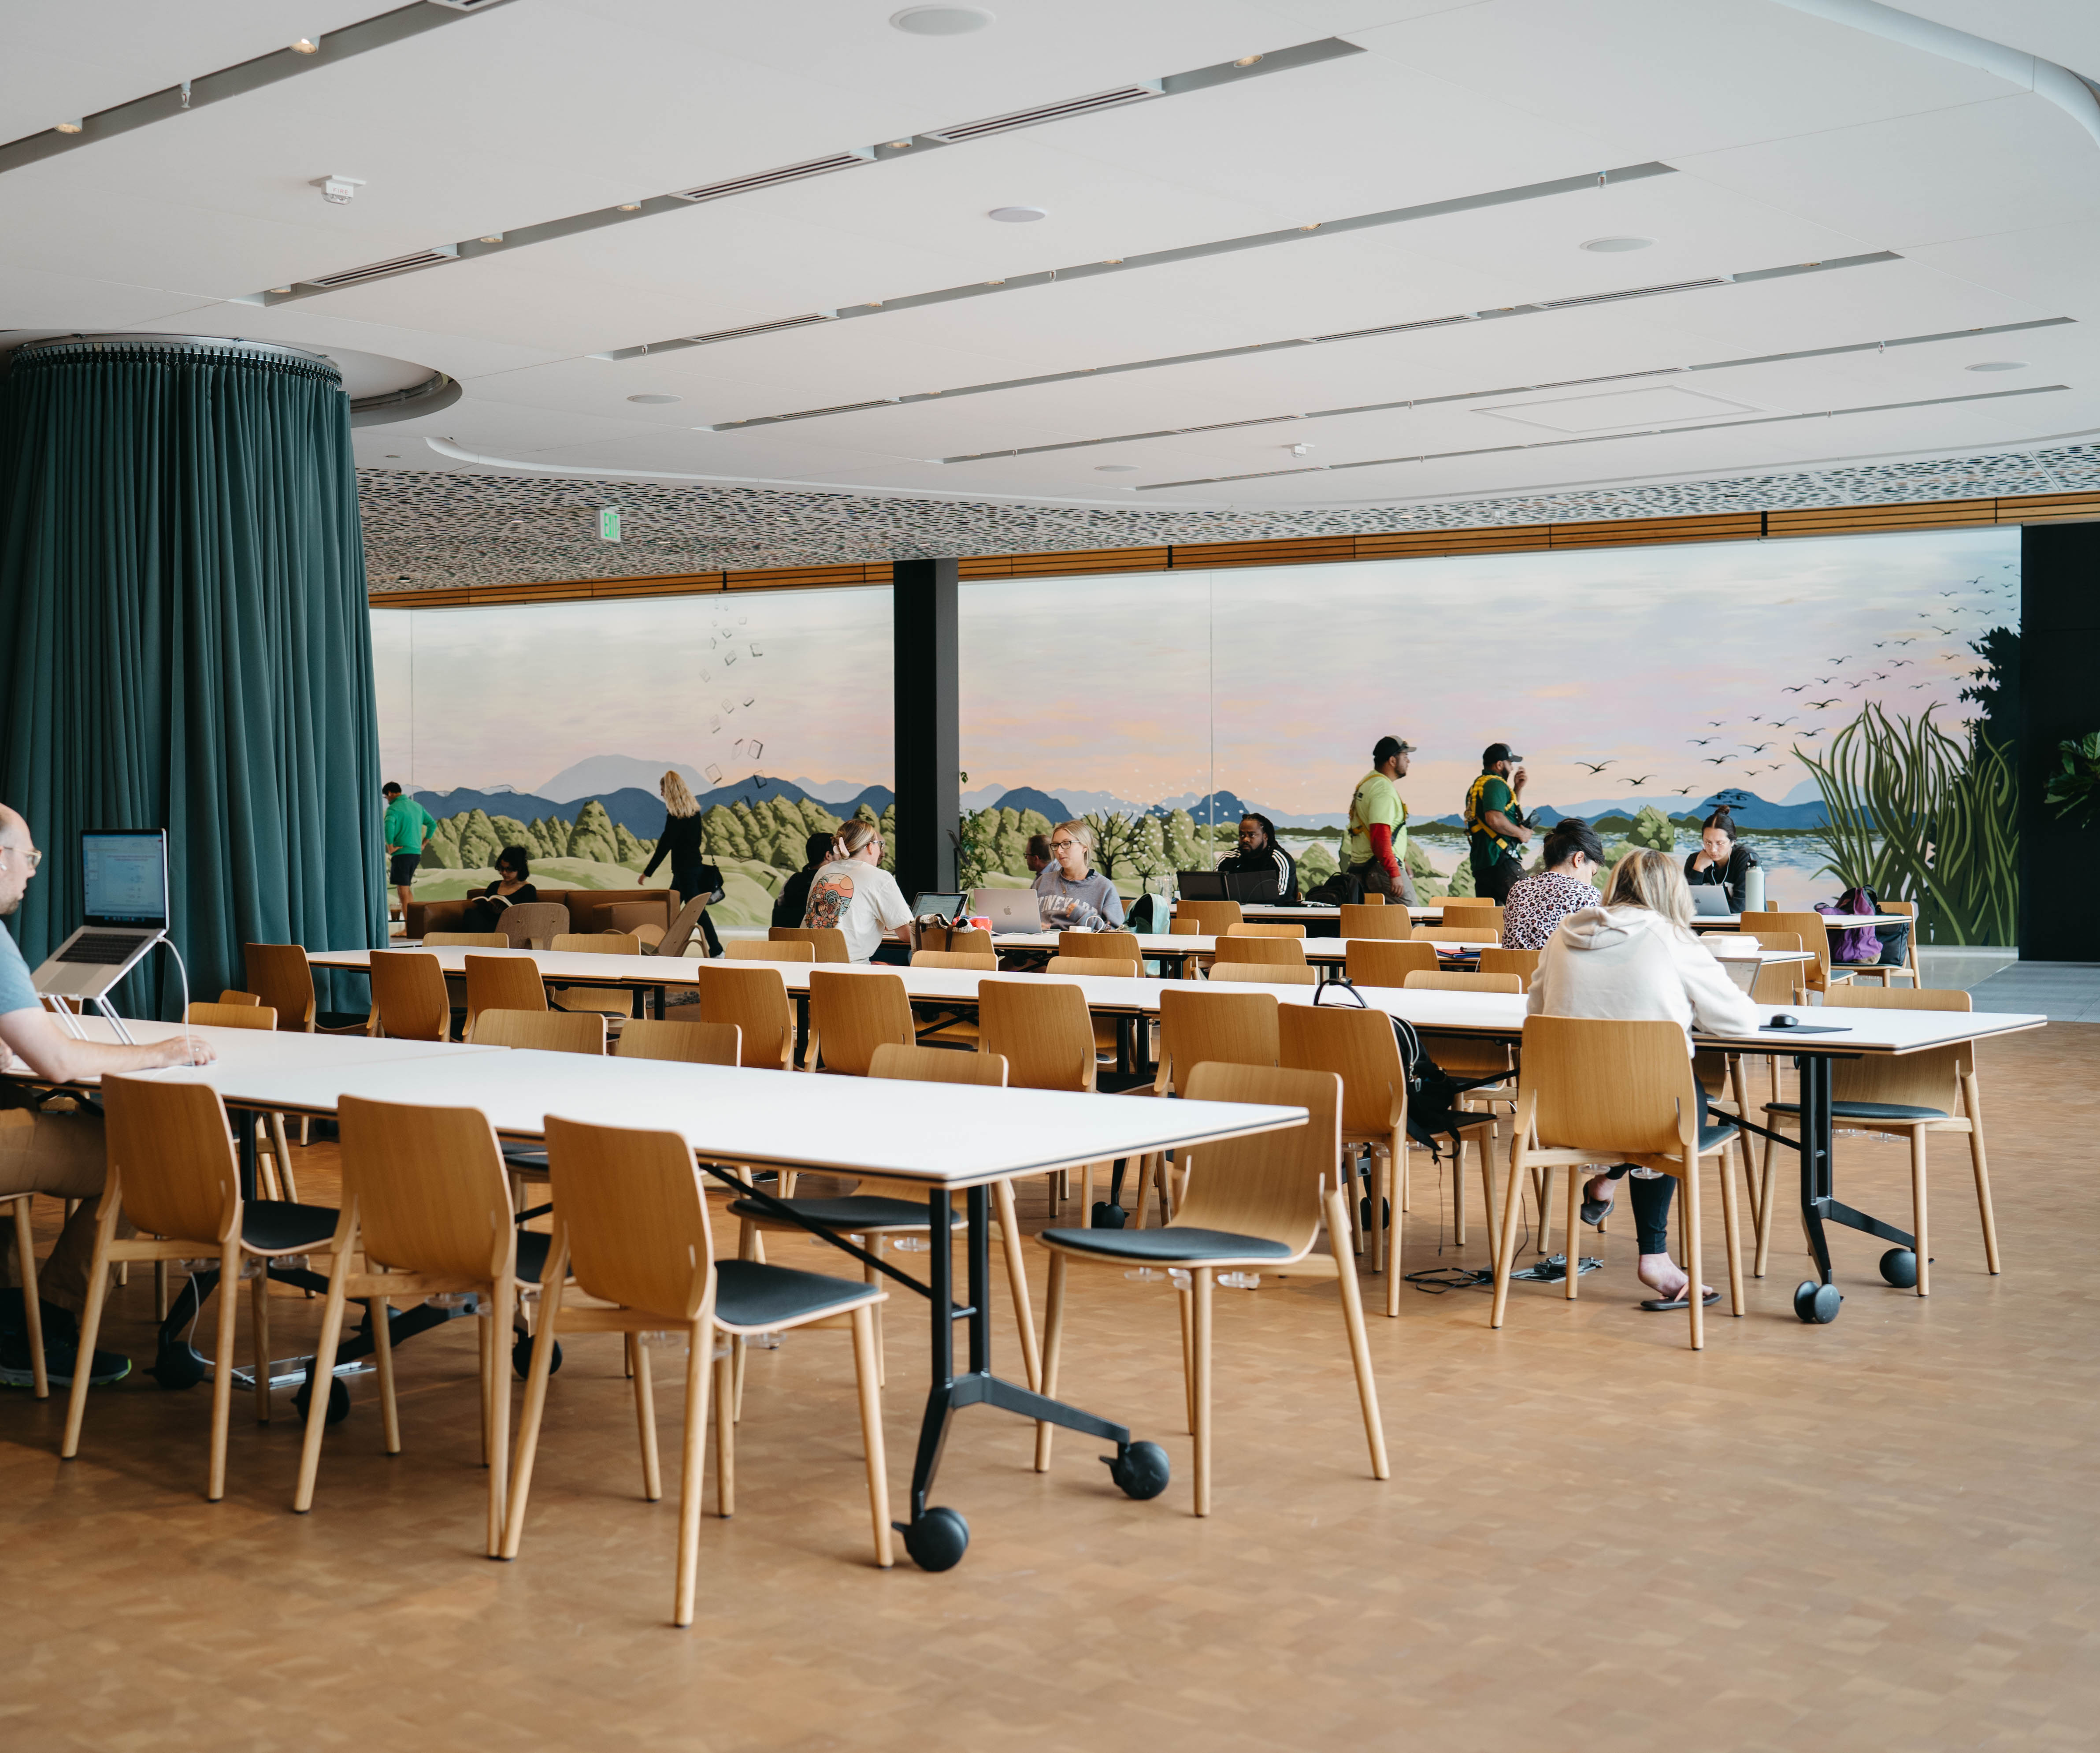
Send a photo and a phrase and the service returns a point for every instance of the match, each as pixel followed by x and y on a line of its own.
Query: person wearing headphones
pixel 1495 825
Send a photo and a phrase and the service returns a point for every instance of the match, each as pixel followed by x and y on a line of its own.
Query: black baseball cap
pixel 1495 752
pixel 1387 747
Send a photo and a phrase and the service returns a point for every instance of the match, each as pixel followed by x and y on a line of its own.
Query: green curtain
pixel 184 643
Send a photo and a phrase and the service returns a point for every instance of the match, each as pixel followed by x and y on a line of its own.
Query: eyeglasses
pixel 1062 845
pixel 30 853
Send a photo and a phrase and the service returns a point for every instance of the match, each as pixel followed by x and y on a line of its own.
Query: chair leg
pixel 499 1403
pixel 1918 1215
pixel 868 1276
pixel 1359 1343
pixel 1972 1100
pixel 222 1368
pixel 1016 1279
pixel 1395 1166
pixel 1087 1197
pixel 382 1355
pixel 1512 1202
pixel 1545 1207
pixel 1458 1190
pixel 536 1400
pixel 1186 1298
pixel 871 1434
pixel 259 1301
pixel 1571 1280
pixel 1731 1228
pixel 1201 1279
pixel 1768 1202
pixel 159 1290
pixel 484 1328
pixel 90 1321
pixel 25 1252
pixel 724 1439
pixel 309 1450
pixel 280 1147
pixel 645 1418
pixel 1694 1259
pixel 1053 1335
pixel 699 1373
pixel 1366 1187
pixel 1739 1085
pixel 1485 1147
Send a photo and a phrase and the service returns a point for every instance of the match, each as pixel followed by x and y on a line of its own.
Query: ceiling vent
pixel 1634 292
pixel 1395 328
pixel 357 276
pixel 743 185
pixel 466 5
pixel 763 328
pixel 1030 118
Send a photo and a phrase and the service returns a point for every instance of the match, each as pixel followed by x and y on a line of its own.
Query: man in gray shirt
pixel 61 1155
pixel 1075 898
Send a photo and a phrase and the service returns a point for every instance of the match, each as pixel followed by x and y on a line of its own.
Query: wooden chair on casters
pixel 631 1225
pixel 1253 1204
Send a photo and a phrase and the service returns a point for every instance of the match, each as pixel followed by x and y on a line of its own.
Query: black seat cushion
pixel 1111 1083
pixel 749 1293
pixel 1711 1136
pixel 856 1211
pixel 276 1227
pixel 1866 1111
pixel 1177 1242
pixel 533 1245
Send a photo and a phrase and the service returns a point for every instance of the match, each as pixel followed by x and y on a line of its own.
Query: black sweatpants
pixel 1651 1199
pixel 687 882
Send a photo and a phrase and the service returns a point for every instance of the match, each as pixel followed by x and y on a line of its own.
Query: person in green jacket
pixel 409 828
pixel 1494 823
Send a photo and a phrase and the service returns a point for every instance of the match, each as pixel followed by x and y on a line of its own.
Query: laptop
pixel 124 880
pixel 1226 886
pixel 1709 900
pixel 1009 910
pixel 947 905
pixel 1201 885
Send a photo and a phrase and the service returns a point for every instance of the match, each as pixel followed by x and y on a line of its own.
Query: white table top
pixel 271 1053
pixel 1268 912
pixel 1337 949
pixel 1833 921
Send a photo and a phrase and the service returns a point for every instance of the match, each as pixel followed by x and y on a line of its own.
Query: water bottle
pixel 1753 890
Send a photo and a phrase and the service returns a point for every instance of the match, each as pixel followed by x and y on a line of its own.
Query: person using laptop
pixel 1260 854
pixel 1721 858
pixel 1375 850
pixel 1075 897
pixel 852 893
pixel 407 828
pixel 1538 903
pixel 61 1155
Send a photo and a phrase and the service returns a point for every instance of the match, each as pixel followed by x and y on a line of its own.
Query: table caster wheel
pixel 521 1358
pixel 1899 1267
pixel 937 1539
pixel 1107 1216
pixel 1816 1304
pixel 338 1404
pixel 1141 1470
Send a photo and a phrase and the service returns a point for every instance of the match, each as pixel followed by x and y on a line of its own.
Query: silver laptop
pixel 1009 910
pixel 1709 900
pixel 123 881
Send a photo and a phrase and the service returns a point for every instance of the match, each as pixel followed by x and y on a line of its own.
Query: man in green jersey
pixel 408 829
pixel 1495 825
pixel 1376 849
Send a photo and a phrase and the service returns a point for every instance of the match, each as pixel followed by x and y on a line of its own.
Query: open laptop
pixel 1201 885
pixel 947 904
pixel 124 880
pixel 1709 900
pixel 1009 910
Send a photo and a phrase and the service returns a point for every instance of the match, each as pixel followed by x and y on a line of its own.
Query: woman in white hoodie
pixel 1635 960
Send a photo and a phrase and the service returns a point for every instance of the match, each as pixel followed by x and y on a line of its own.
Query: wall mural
pixel 1851 697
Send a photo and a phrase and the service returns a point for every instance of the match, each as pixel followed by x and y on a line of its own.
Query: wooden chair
pixel 614 1003
pixel 1814 931
pixel 273 1164
pixel 501 982
pixel 984 962
pixel 544 1031
pixel 534 924
pixel 688 1043
pixel 1253 1204
pixel 1375 921
pixel 854 1013
pixel 754 1000
pixel 426 1211
pixel 957 940
pixel 173 1173
pixel 1240 929
pixel 1467 901
pixel 1213 918
pixel 1908 1096
pixel 1276 953
pixel 22 1204
pixel 827 941
pixel 1179 927
pixel 466 940
pixel 280 975
pixel 1523 964
pixel 631 1225
pixel 227 995
pixel 751 950
pixel 1462 933
pixel 1882 974
pixel 1096 968
pixel 1043 1030
pixel 225 1016
pixel 1101 946
pixel 1463 980
pixel 1591 1092
pixel 409 1000
pixel 1198 1024
pixel 1266 974
pixel 1375 964
pixel 1465 1056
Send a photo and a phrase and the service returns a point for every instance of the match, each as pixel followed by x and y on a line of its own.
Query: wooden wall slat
pixel 1421 543
pixel 1737 525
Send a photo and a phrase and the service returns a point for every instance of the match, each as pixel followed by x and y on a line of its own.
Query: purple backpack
pixel 1859 945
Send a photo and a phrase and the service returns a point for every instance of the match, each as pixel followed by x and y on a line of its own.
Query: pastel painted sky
pixel 1271 681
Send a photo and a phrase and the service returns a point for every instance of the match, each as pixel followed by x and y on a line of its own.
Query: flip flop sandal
pixel 1656 1306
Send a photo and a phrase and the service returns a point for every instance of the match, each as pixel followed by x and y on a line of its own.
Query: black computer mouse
pixel 1783 1021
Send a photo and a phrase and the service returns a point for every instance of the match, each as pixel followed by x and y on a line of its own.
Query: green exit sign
pixel 608 525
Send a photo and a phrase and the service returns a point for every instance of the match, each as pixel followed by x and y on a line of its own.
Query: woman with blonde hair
pixel 1634 959
pixel 852 893
pixel 1075 898
pixel 680 842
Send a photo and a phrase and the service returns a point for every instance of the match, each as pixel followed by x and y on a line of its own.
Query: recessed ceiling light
pixel 1111 261
pixel 67 127
pixel 492 237
pixel 2000 364
pixel 630 207
pixel 1313 227
pixel 1115 468
pixel 655 401
pixel 940 20
pixel 305 45
pixel 1018 215
pixel 280 289
pixel 1613 246
pixel 899 145
pixel 1246 60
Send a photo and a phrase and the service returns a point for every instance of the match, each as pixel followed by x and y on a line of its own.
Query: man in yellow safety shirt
pixel 1376 849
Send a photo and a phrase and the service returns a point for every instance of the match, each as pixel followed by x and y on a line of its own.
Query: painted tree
pixel 591 837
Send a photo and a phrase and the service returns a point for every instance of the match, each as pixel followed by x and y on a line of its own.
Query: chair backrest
pixel 544 1031
pixel 752 950
pixel 597 942
pixel 969 941
pixel 1042 1029
pixel 1913 1079
pixel 408 992
pixel 938 1065
pixel 278 974
pixel 1101 946
pixel 430 1186
pixel 1458 980
pixel 502 982
pixel 1815 935
pixel 1375 964
pixel 1606 1086
pixel 466 940
pixel 1775 982
pixel 1212 917
pixel 632 916
pixel 1378 922
pixel 1270 1185
pixel 228 996
pixel 1178 927
pixel 1097 968
pixel 1278 952
pixel 1462 901
pixel 1195 1024
pixel 987 963
pixel 226 1015
pixel 1523 964
pixel 1241 927
pixel 754 1000
pixel 828 940
pixel 852 1014
pixel 1266 974
pixel 632 1207
pixel 172 1151
pixel 1460 933
pixel 1359 1048
pixel 534 924
pixel 690 1042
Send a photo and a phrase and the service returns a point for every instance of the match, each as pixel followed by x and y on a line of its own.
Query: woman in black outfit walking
pixel 680 842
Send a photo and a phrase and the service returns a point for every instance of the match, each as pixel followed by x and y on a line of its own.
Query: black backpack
pixel 1432 1092
pixel 1339 891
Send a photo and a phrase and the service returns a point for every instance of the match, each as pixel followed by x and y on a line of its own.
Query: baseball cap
pixel 1495 752
pixel 1388 747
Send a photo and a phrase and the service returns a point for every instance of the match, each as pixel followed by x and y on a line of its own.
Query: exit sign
pixel 608 525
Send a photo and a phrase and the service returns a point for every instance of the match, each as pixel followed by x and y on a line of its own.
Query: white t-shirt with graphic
pixel 861 899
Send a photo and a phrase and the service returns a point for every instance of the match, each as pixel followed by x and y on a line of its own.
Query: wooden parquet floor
pixel 1878 1535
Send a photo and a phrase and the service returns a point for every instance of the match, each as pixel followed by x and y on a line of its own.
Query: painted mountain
pixel 640 812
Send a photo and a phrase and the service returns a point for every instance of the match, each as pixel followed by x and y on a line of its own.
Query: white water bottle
pixel 1753 890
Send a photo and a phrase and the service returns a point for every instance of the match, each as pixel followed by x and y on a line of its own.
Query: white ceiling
pixel 1791 139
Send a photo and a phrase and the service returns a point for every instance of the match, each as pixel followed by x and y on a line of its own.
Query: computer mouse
pixel 1783 1021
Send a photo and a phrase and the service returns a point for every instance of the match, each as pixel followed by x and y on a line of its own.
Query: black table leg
pixel 1816 1299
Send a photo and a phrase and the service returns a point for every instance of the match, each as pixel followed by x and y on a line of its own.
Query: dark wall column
pixel 928 756
pixel 2059 663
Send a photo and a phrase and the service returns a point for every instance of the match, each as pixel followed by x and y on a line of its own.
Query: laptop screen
pixel 125 877
pixel 947 904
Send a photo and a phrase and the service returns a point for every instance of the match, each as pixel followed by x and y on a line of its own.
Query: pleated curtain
pixel 184 643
